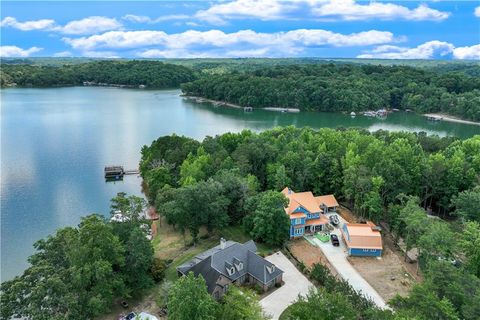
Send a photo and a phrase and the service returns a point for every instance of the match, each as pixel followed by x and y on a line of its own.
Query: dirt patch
pixel 346 214
pixel 411 267
pixel 309 254
pixel 388 275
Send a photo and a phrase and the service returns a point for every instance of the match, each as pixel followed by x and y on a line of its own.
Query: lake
pixel 56 142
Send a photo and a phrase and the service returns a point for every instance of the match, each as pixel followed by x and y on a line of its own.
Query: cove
pixel 55 143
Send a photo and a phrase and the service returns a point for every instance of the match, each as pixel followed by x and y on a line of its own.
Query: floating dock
pixel 117 172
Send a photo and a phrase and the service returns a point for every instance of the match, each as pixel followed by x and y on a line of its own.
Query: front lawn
pixel 171 245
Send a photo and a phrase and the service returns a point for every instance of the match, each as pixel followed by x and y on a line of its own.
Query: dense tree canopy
pixel 78 272
pixel 153 74
pixel 394 177
pixel 345 87
pixel 368 170
pixel 188 299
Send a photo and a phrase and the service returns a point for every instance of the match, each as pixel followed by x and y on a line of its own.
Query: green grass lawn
pixel 183 254
pixel 202 245
pixel 237 233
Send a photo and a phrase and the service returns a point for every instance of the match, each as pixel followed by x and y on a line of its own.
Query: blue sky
pixel 242 28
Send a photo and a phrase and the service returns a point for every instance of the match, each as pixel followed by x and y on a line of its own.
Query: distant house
pixel 232 262
pixel 362 239
pixel 307 212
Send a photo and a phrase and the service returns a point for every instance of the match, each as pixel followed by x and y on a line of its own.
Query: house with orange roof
pixel 362 239
pixel 306 211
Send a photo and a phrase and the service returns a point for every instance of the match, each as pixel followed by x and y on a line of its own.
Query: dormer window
pixel 239 266
pixel 271 269
pixel 229 268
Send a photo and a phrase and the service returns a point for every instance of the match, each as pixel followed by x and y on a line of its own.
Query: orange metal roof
pixel 362 236
pixel 328 200
pixel 297 215
pixel 321 220
pixel 304 199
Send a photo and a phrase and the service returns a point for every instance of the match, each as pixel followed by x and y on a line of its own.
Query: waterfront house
pixel 362 239
pixel 232 263
pixel 307 212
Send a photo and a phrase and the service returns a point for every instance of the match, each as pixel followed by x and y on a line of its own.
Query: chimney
pixel 222 243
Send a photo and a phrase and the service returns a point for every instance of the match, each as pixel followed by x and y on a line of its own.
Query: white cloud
pixel 14 51
pixel 63 54
pixel 259 9
pixel 146 19
pixel 220 13
pixel 135 18
pixel 427 50
pixel 477 11
pixel 472 52
pixel 89 25
pixel 213 43
pixel 43 24
pixel 351 10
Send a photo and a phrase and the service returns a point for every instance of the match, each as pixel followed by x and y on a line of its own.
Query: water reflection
pixel 55 143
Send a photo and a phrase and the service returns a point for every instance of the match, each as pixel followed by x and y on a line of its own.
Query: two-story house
pixel 307 212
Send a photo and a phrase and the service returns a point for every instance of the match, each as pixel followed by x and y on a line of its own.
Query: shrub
pixel 302 266
pixel 158 269
pixel 258 288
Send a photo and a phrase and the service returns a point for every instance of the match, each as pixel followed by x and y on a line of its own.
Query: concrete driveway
pixel 295 284
pixel 337 256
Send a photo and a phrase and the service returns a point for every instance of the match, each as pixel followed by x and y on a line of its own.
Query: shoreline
pixel 448 118
pixel 218 103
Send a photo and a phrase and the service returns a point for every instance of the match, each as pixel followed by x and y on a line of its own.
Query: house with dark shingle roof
pixel 232 262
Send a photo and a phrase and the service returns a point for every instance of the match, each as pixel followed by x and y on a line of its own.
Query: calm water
pixel 55 143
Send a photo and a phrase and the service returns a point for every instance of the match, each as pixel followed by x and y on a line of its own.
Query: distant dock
pixel 117 172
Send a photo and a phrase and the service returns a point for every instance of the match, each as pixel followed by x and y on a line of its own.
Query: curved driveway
pixel 337 256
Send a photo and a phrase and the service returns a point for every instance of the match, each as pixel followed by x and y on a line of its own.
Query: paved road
pixel 337 256
pixel 295 284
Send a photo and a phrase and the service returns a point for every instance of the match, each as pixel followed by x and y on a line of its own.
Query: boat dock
pixel 434 118
pixel 117 172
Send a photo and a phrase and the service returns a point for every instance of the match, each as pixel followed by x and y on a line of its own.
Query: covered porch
pixel 316 225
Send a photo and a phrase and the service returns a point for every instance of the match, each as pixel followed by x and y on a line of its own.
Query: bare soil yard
pixel 346 214
pixel 388 275
pixel 308 254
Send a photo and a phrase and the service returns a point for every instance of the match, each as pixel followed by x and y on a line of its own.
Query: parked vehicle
pixel 334 239
pixel 130 316
pixel 334 220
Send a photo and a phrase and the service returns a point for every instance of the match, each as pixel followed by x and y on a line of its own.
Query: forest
pixel 346 88
pixel 307 84
pixel 425 188
pixel 152 74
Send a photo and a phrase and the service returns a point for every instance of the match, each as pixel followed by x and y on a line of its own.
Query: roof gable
pixel 232 262
pixel 327 200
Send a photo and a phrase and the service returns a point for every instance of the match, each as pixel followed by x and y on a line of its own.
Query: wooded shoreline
pixel 449 118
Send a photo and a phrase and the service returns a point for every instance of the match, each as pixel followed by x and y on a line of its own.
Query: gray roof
pixel 234 261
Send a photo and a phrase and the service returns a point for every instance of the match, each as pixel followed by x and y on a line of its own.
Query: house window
pixel 239 266
pixel 298 231
pixel 298 221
